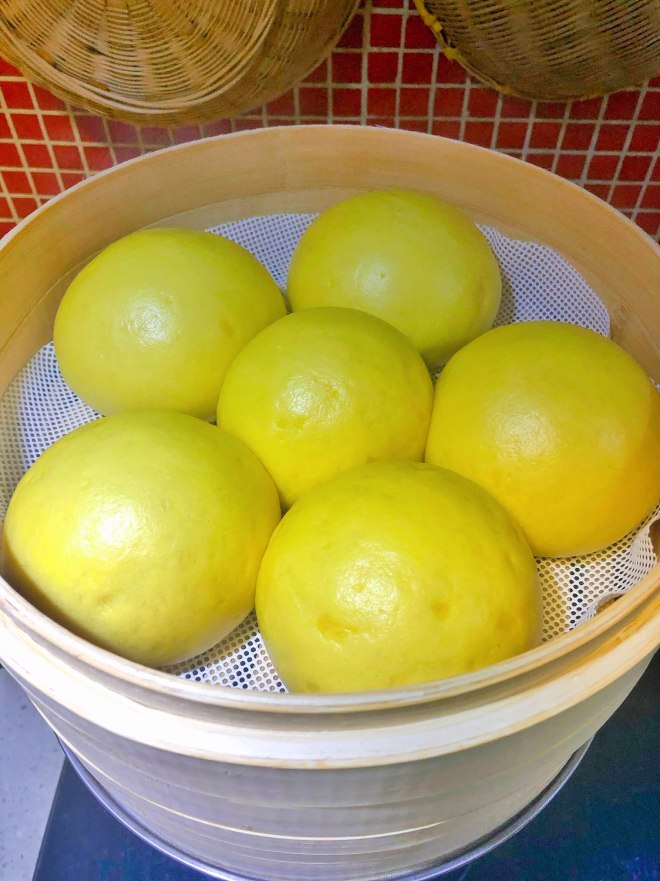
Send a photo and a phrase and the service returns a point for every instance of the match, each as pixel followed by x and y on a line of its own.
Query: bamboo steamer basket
pixel 166 63
pixel 361 786
pixel 550 51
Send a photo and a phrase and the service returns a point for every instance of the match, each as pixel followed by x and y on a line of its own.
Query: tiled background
pixel 386 71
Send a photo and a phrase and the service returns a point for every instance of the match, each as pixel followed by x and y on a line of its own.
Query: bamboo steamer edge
pixel 339 787
pixel 307 169
pixel 357 797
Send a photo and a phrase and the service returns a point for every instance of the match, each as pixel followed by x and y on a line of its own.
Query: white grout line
pixel 59 143
pixel 140 140
pixel 10 202
pixel 626 144
pixel 310 85
pixel 648 180
pixel 560 140
pixel 433 91
pixel 78 142
pixel 397 85
pixel 541 151
pixel 497 119
pixel 465 110
pixel 591 149
pixel 296 106
pixel 505 151
pixel 365 50
pixel 109 143
pixel 528 132
pixel 350 50
pixel 380 10
pixel 328 86
pixel 255 114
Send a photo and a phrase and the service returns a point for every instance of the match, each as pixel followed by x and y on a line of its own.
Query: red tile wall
pixel 386 71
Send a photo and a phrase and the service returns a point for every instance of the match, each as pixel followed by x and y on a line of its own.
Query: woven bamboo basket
pixel 352 787
pixel 550 51
pixel 167 63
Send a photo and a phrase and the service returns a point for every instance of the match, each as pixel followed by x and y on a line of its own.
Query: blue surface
pixel 603 826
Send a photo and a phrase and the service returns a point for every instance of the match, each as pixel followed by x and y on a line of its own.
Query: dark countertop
pixel 604 825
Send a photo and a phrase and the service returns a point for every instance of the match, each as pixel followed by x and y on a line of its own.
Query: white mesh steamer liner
pixel 38 408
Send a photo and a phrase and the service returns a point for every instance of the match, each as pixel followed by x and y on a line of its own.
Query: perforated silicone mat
pixel 38 408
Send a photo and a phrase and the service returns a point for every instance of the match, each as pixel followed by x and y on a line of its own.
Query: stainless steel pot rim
pixel 456 860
